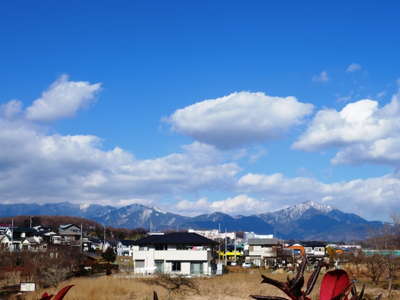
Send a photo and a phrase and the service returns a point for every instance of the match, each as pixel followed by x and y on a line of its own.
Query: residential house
pixel 33 243
pixel 45 232
pixel 314 249
pixel 5 241
pixel 263 252
pixel 125 247
pixel 5 237
pixel 70 234
pixel 183 253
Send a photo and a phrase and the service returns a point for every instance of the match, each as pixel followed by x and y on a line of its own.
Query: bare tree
pixel 376 267
pixel 392 267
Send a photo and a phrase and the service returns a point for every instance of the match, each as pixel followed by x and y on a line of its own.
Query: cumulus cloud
pixel 374 198
pixel 62 99
pixel 321 77
pixel 239 119
pixel 36 166
pixel 353 68
pixel 239 205
pixel 363 131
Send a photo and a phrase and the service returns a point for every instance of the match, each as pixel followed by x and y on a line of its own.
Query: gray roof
pixel 176 238
pixel 263 241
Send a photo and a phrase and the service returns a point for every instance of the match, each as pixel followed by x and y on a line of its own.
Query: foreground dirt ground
pixel 230 286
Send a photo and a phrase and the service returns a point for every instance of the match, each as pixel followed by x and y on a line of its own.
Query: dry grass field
pixel 233 286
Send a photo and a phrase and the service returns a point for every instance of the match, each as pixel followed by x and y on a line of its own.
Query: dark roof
pixel 175 238
pixel 313 244
pixel 24 229
pixel 95 240
pixel 66 226
pixel 127 242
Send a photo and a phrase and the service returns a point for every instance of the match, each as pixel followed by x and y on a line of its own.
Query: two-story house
pixel 182 253
pixel 70 234
pixel 262 251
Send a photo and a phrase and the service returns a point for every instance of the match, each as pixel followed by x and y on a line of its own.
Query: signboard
pixel 27 287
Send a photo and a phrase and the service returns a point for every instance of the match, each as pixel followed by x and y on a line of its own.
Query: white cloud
pixel 36 167
pixel 353 68
pixel 239 119
pixel 381 151
pixel 238 205
pixel 11 109
pixel 63 99
pixel 374 198
pixel 321 77
pixel 363 131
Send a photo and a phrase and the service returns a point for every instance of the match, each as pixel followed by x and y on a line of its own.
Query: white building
pixel 314 248
pixel 214 234
pixel 125 248
pixel 5 242
pixel 261 250
pixel 182 253
pixel 252 235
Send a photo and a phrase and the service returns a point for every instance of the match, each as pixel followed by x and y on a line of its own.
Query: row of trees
pixel 44 268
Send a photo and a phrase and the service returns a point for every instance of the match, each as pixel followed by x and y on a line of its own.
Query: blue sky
pixel 98 104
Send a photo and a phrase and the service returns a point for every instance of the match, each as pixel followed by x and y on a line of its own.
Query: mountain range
pixel 306 221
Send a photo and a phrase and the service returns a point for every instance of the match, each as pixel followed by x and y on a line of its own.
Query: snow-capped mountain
pixel 292 213
pixel 308 220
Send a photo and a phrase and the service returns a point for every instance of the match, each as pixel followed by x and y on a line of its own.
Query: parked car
pixel 246 265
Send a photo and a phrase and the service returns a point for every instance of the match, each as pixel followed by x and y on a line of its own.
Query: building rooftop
pixel 176 238
pixel 272 241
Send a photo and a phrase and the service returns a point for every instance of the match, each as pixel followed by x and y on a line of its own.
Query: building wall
pixel 150 256
pixel 258 250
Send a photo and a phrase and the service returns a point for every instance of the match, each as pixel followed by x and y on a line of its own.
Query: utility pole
pixel 235 248
pixel 12 234
pixel 225 248
pixel 104 237
pixel 219 244
pixel 81 237
pixel 30 221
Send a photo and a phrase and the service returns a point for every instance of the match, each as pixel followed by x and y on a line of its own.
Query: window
pixel 176 266
pixel 139 263
pixel 196 268
pixel 159 266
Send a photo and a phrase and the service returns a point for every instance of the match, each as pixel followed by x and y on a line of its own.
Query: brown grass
pixel 232 286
